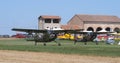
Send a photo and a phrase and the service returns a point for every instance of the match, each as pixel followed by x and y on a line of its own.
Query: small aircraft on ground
pixel 44 36
pixel 90 36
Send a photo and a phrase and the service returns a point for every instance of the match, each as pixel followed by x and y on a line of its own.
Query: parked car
pixel 19 36
pixel 110 41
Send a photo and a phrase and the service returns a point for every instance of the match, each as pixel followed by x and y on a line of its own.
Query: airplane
pixel 44 36
pixel 89 36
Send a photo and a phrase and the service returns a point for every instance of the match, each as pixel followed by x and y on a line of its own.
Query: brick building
pixel 95 22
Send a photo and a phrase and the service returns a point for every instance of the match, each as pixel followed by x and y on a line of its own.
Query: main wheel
pixel 44 44
pixel 59 44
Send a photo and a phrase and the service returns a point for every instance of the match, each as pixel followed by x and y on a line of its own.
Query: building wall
pixel 103 25
pixel 42 25
pixel 51 25
pixel 76 21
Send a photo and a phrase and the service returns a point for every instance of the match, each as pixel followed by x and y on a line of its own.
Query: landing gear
pixel 59 44
pixel 75 41
pixel 85 43
pixel 35 43
pixel 44 44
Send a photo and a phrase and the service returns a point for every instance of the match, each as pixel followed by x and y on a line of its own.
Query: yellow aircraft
pixel 68 36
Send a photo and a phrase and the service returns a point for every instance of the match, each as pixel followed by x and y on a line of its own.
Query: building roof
pixel 69 27
pixel 101 18
pixel 48 17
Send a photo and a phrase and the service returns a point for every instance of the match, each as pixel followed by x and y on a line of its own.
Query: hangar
pixel 95 22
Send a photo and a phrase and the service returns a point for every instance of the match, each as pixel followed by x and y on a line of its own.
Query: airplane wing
pixel 56 31
pixel 68 31
pixel 43 31
pixel 29 30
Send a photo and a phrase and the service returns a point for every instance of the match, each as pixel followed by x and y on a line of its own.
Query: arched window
pixel 108 29
pixel 117 30
pixel 98 29
pixel 90 29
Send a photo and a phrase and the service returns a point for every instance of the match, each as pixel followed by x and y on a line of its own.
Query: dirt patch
pixel 38 57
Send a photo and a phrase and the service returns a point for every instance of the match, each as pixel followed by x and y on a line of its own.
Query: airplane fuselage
pixel 43 37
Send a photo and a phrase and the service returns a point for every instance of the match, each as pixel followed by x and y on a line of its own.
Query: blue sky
pixel 25 13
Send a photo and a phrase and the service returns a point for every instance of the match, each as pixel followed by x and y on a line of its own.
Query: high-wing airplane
pixel 45 36
pixel 89 36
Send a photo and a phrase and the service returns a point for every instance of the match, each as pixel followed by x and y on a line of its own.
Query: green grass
pixel 67 47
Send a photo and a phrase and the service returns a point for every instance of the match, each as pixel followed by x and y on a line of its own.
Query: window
pixel 47 20
pixel 55 20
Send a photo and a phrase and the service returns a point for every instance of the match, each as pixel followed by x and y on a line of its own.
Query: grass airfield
pixel 67 47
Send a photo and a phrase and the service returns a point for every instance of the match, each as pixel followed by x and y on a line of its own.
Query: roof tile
pixel 49 17
pixel 102 18
pixel 69 27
